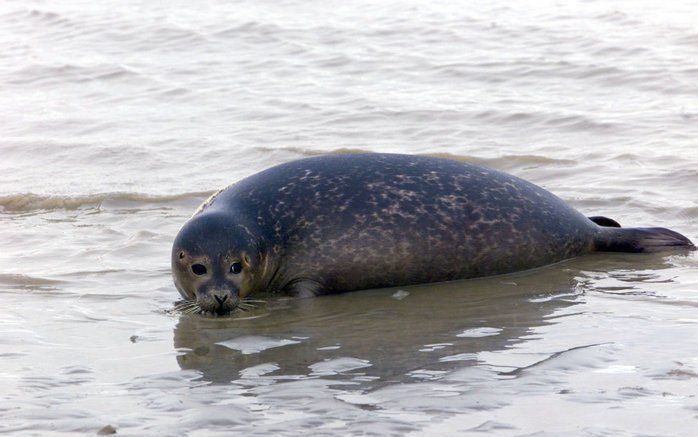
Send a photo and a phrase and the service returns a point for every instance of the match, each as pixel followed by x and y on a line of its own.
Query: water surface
pixel 119 118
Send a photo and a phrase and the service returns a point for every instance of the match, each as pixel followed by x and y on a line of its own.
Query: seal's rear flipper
pixel 604 221
pixel 613 239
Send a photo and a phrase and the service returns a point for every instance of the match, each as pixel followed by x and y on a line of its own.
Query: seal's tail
pixel 617 239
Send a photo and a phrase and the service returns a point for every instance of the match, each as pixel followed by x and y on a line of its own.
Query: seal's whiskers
pixel 251 303
pixel 188 307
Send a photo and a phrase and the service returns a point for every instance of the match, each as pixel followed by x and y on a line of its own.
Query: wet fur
pixel 347 222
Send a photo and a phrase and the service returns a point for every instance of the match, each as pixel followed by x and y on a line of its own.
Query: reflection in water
pixel 386 333
pixel 396 331
pixel 384 336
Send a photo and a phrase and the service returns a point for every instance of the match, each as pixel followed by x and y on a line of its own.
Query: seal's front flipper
pixel 613 239
pixel 604 221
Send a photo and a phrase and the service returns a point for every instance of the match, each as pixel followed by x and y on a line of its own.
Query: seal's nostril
pixel 220 300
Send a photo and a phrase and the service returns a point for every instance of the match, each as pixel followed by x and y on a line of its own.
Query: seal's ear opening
pixel 246 260
pixel 604 221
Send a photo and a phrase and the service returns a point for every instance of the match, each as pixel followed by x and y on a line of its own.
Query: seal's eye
pixel 235 268
pixel 198 269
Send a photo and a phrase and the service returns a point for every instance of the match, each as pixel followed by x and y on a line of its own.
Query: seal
pixel 338 223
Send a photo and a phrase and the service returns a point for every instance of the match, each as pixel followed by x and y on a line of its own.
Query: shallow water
pixel 118 119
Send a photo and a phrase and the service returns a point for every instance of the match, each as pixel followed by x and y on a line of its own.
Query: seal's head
pixel 213 261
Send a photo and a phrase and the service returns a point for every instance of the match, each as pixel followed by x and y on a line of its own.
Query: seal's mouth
pixel 219 305
pixel 221 308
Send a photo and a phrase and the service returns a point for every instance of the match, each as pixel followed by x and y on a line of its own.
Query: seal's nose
pixel 217 300
pixel 220 299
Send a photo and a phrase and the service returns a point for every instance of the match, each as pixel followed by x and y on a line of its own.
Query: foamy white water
pixel 118 118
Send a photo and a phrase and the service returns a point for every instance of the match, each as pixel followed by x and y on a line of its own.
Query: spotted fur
pixel 339 223
pixel 347 222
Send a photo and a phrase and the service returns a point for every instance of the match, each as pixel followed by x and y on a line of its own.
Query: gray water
pixel 118 118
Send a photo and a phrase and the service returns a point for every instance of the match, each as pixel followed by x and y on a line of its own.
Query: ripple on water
pixel 28 283
pixel 258 370
pixel 119 119
pixel 253 344
pixel 479 332
pixel 28 202
pixel 337 365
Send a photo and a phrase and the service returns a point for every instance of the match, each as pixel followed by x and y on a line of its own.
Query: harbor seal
pixel 337 223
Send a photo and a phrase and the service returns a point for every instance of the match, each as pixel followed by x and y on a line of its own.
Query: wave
pixel 24 283
pixel 48 73
pixel 29 202
pixel 499 162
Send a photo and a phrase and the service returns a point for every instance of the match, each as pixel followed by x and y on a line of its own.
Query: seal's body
pixel 339 223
